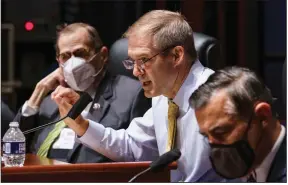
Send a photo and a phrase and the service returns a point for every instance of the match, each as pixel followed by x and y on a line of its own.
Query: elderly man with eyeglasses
pixel 162 55
pixel 82 62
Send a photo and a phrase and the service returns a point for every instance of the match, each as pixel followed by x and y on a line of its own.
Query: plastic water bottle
pixel 14 146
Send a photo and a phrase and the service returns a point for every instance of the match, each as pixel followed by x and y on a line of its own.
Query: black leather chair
pixel 284 82
pixel 119 52
pixel 208 50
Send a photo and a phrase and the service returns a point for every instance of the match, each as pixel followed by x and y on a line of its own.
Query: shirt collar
pixel 189 86
pixel 91 91
pixel 263 170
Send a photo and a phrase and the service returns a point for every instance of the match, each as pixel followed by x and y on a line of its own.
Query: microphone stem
pixel 42 126
pixel 139 174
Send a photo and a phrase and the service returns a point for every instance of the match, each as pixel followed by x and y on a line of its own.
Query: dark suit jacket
pixel 121 99
pixel 277 172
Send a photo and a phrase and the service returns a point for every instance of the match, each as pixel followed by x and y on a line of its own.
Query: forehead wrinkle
pixel 139 45
pixel 138 52
pixel 70 41
pixel 74 48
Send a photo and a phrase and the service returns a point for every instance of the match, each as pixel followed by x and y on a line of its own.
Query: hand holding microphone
pixel 63 98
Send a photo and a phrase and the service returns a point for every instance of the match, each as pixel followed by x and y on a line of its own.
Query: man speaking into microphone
pixel 82 62
pixel 163 56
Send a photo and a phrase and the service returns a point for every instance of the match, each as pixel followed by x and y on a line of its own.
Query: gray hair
pixel 94 40
pixel 167 29
pixel 242 85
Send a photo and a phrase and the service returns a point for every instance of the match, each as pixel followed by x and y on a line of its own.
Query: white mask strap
pixel 93 57
pixel 99 71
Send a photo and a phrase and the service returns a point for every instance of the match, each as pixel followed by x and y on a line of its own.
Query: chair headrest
pixel 118 53
pixel 208 50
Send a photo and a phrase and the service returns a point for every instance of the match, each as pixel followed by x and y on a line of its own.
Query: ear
pixel 263 111
pixel 57 60
pixel 178 53
pixel 104 54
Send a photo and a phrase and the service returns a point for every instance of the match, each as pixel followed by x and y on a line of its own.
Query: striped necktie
pixel 53 134
pixel 173 113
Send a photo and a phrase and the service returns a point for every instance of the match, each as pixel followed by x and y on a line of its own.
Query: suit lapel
pixel 102 97
pixel 72 152
pixel 98 114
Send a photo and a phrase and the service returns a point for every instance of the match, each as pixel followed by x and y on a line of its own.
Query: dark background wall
pixel 252 34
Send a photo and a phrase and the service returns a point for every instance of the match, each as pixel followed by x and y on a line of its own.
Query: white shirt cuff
pixel 93 135
pixel 29 111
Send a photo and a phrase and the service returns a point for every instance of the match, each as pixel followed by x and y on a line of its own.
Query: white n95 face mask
pixel 79 74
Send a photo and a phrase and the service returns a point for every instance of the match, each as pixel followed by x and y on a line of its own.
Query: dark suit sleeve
pixel 140 105
pixel 26 123
pixel 47 112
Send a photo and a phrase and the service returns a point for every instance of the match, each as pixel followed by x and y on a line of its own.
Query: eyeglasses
pixel 129 64
pixel 81 52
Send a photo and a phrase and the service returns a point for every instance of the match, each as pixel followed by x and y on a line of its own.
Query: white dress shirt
pixel 263 170
pixel 146 137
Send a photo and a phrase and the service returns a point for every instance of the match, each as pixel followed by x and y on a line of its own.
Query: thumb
pixel 64 107
pixel 62 81
pixel 60 77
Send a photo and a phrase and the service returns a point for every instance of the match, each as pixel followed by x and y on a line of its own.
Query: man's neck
pixel 271 135
pixel 181 77
pixel 94 86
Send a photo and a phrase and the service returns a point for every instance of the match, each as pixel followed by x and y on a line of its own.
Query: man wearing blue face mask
pixel 235 114
pixel 82 62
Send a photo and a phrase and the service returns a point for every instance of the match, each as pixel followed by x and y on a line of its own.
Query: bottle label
pixel 14 148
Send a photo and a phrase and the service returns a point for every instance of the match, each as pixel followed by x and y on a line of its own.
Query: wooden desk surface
pixel 40 169
pixel 32 160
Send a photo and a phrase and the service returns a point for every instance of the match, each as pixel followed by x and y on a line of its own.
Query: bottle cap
pixel 14 124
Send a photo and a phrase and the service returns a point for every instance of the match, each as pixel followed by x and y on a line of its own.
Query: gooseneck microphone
pixel 160 163
pixel 79 106
pixel 74 112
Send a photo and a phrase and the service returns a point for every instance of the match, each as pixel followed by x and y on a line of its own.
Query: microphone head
pixel 165 159
pixel 80 105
